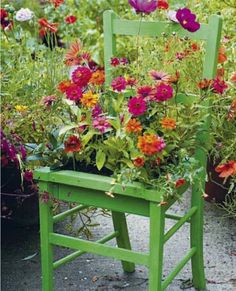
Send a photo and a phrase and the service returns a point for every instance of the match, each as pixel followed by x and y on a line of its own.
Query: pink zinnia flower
pixel 101 124
pixel 81 76
pixel 137 106
pixel 144 6
pixel 124 61
pixel 74 92
pixel 119 84
pixel 159 76
pixel 48 100
pixel 219 86
pixel 145 92
pixel 163 92
pixel 97 110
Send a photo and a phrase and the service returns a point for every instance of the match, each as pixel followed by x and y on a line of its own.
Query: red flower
pixel 180 182
pixel 70 19
pixel 63 85
pixel 139 162
pixel 115 62
pixel 73 144
pixel 45 26
pixel 226 169
pixel 56 3
pixel 118 84
pixel 162 4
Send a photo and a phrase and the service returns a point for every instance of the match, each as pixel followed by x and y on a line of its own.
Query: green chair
pixel 88 189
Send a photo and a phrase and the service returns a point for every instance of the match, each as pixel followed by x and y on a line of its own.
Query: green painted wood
pixel 178 268
pixel 76 254
pixel 109 44
pixel 156 245
pixel 174 217
pixel 66 213
pixel 181 222
pixel 202 140
pixel 46 227
pixel 99 249
pixel 95 198
pixel 120 225
pixel 154 28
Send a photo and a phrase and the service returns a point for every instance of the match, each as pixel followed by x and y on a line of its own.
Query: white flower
pixel 24 14
pixel 171 14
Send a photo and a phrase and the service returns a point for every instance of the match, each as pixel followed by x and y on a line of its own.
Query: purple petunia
pixel 187 19
pixel 144 6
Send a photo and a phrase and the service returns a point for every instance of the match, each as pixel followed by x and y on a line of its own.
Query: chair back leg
pixel 120 225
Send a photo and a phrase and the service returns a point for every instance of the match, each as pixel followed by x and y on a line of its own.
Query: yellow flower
pixel 89 99
pixel 21 108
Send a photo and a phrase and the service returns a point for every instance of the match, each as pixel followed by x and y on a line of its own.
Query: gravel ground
pixel 21 257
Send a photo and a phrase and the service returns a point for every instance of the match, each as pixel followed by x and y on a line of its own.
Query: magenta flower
pixel 137 106
pixel 119 84
pixel 115 62
pixel 28 176
pixel 97 110
pixel 144 6
pixel 145 92
pixel 81 76
pixel 124 61
pixel 101 124
pixel 163 92
pixel 187 19
pixel 219 86
pixel 74 92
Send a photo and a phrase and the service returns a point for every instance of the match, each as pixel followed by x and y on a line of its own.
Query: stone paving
pixel 91 272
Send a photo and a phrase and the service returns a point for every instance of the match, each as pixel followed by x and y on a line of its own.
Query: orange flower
pixel 73 144
pixel 64 85
pixel 45 26
pixel 168 123
pixel 174 78
pixel 134 126
pixel 222 56
pixel 233 77
pixel 205 84
pixel 232 110
pixel 150 144
pixel 89 99
pixel 226 169
pixel 72 56
pixel 139 162
pixel 98 77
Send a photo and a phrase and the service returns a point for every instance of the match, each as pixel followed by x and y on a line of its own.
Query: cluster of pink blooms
pixel 119 61
pixel 101 123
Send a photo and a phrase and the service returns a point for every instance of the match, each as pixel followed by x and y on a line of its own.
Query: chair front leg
pixel 156 246
pixel 46 227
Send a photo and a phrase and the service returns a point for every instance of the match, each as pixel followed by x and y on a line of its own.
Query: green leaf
pixel 87 137
pixel 100 159
pixel 66 128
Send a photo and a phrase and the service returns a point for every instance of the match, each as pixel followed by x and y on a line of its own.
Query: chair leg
pixel 196 231
pixel 120 225
pixel 46 226
pixel 156 245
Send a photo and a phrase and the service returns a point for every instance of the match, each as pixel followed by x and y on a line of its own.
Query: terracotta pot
pixel 215 189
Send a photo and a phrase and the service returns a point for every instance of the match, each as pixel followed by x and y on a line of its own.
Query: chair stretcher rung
pixel 178 268
pixel 64 214
pixel 182 220
pixel 99 249
pixel 76 254
pixel 174 217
